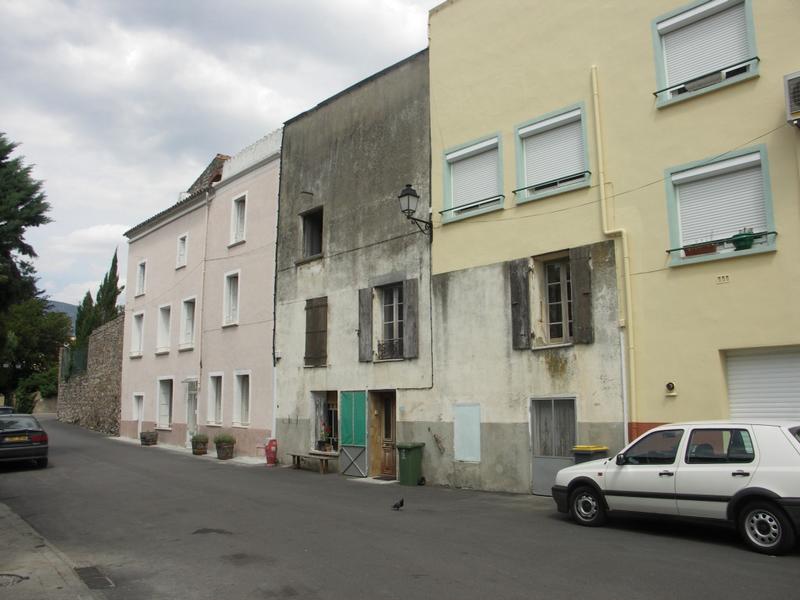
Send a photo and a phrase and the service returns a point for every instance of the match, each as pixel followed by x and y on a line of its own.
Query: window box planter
pixel 225 444
pixel 743 240
pixel 699 249
pixel 148 438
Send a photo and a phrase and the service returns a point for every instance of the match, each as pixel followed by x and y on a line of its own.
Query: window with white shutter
pixel 703 47
pixel 164 403
pixel 187 324
pixel 231 300
pixel 180 258
pixel 474 179
pixel 721 207
pixel 163 333
pixel 553 155
pixel 238 219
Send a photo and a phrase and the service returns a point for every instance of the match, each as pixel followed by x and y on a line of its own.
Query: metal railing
pixel 388 349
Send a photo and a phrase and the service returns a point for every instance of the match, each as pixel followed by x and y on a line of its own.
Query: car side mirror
pixel 620 459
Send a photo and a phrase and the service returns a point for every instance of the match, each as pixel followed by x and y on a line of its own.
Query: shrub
pixel 224 438
pixel 200 438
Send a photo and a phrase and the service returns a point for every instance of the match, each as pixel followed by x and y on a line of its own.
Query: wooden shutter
pixel 410 318
pixel 365 325
pixel 475 177
pixel 581 275
pixel 316 331
pixel 518 276
pixel 707 45
pixel 717 207
pixel 553 153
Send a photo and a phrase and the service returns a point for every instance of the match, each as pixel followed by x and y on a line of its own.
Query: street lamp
pixel 409 199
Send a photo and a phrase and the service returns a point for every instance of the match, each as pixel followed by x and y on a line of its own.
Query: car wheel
pixel 765 528
pixel 41 463
pixel 586 507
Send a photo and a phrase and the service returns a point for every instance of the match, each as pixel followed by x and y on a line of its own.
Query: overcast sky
pixel 120 104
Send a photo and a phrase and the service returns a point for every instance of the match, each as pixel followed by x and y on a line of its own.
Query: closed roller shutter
pixel 554 154
pixel 764 384
pixel 717 207
pixel 475 178
pixel 706 46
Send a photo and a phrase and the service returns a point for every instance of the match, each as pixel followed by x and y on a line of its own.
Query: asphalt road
pixel 164 525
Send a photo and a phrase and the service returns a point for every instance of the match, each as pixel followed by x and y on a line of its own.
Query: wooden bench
pixel 323 459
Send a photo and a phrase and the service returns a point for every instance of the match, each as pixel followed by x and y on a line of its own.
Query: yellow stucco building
pixel 651 139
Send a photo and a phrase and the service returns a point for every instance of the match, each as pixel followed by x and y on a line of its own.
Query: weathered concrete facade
pixel 92 399
pixel 343 165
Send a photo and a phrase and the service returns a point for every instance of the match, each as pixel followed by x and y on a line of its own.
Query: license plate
pixel 17 438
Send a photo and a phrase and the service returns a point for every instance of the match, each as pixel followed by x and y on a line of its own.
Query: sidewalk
pixel 246 461
pixel 32 569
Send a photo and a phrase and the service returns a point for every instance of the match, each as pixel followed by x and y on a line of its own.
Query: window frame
pixel 523 195
pixel 159 424
pixel 226 322
pixel 695 460
pixel 304 216
pixel 235 202
pixel 466 150
pixel 398 322
pixel 182 343
pixel 180 262
pixel 662 99
pixel 648 435
pixel 164 334
pixel 141 278
pixel 217 422
pixel 137 335
pixel 237 390
pixel 673 218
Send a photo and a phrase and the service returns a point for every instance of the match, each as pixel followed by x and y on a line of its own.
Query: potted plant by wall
pixel 225 443
pixel 199 444
pixel 148 438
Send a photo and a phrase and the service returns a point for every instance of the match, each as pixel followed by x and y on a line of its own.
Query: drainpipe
pixel 626 318
pixel 201 337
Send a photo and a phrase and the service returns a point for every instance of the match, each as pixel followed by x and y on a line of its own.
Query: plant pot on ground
pixel 199 444
pixel 225 443
pixel 148 438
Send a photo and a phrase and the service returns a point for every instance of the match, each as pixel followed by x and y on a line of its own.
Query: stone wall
pixel 92 399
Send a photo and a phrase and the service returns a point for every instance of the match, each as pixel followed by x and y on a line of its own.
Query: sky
pixel 121 104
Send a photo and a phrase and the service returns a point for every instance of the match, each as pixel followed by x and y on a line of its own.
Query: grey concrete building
pixel 353 338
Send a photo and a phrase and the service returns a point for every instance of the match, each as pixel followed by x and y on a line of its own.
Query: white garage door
pixel 764 383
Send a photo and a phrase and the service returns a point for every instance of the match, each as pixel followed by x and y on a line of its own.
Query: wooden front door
pixel 388 437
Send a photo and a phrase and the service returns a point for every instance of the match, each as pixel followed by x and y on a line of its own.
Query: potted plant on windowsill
pixel 700 248
pixel 744 239
pixel 199 444
pixel 225 443
pixel 148 438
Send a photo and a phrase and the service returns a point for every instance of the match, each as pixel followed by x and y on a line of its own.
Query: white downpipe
pixel 626 319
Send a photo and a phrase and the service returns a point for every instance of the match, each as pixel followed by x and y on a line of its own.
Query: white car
pixel 745 473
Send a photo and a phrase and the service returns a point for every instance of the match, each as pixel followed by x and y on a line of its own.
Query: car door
pixel 645 481
pixel 717 463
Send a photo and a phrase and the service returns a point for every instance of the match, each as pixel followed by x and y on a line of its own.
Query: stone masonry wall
pixel 92 399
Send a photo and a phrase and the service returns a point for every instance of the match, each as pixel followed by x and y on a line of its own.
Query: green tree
pixel 106 307
pixel 22 205
pixel 85 321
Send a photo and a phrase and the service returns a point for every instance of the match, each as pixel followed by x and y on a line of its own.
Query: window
pixel 312 233
pixel 163 337
pixel 241 399
pixel 215 399
pixel 180 259
pixel 316 332
pixel 187 324
pixel 238 219
pixel 552 155
pixel 231 300
pixel 713 446
pixel 140 277
pixel 473 182
pixel 467 432
pixel 720 207
pixel 164 402
pixel 137 334
pixel 391 343
pixel 558 300
pixel 703 48
pixel 658 448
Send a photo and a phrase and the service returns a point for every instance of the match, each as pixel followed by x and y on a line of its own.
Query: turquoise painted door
pixel 353 433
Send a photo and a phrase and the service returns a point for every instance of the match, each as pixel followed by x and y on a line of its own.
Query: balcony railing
pixel 389 349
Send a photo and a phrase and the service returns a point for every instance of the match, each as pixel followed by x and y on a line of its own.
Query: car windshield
pixel 18 422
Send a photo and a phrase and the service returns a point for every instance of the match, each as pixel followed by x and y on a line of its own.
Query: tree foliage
pixel 92 314
pixel 85 321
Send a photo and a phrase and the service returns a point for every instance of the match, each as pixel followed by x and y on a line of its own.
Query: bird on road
pixel 398 505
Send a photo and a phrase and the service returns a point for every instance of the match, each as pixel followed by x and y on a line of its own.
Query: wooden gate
pixel 353 432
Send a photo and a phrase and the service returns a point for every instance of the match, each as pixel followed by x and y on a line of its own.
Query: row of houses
pixel 605 239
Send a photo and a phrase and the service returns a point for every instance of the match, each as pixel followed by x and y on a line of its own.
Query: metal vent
pixel 792 88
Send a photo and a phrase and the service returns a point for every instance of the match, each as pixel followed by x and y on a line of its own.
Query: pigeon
pixel 398 505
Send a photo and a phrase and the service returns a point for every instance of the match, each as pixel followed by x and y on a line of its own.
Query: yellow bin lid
pixel 589 448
